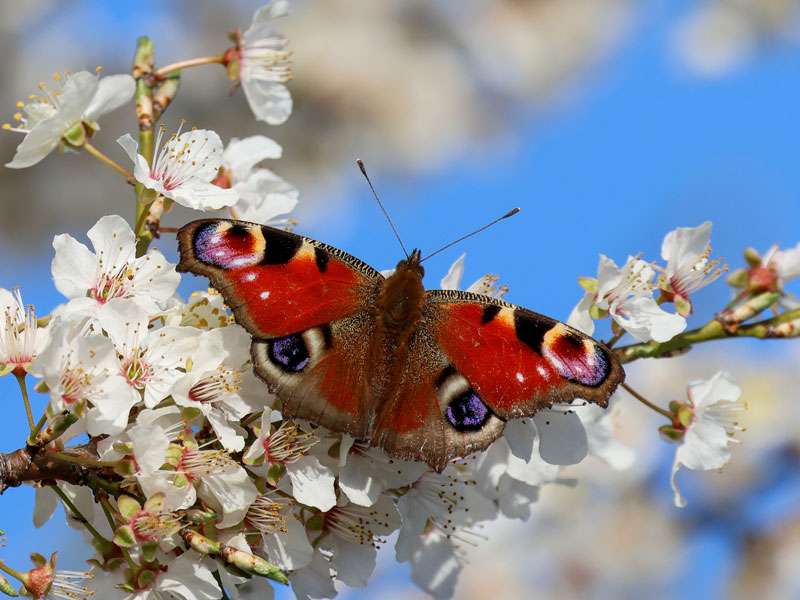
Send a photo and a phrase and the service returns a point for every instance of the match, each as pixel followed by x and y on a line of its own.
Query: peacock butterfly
pixel 425 375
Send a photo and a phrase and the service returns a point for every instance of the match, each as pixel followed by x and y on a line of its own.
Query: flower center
pixel 357 524
pixel 111 285
pixel 198 463
pixel 288 444
pixel 75 384
pixel 18 333
pixel 266 515
pixel 151 527
pixel 213 389
pixel 136 369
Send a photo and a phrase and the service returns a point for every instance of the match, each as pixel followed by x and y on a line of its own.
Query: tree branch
pixel 33 465
pixel 783 326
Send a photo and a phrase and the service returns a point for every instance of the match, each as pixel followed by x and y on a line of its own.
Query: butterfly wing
pixel 476 362
pixel 308 307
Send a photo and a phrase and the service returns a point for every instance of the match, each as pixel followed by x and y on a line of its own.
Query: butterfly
pixel 424 375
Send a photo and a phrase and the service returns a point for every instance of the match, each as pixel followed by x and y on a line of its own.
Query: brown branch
pixel 30 464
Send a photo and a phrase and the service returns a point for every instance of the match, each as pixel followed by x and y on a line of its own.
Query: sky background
pixel 641 147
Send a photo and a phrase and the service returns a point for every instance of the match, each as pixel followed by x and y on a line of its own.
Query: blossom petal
pixel 270 101
pixel 645 320
pixel 202 195
pixel 452 280
pixel 73 267
pixel 38 143
pixel 112 92
pixel 189 578
pixel 265 197
pixel 114 242
pixel 580 318
pixel 787 263
pixel 562 437
pixel 290 550
pixel 685 245
pixel 44 506
pixel 76 96
pixel 312 483
pixel 242 155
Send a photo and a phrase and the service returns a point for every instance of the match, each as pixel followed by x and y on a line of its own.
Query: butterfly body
pixel 426 375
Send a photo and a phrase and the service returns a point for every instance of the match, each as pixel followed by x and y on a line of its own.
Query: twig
pixel 192 62
pixel 713 330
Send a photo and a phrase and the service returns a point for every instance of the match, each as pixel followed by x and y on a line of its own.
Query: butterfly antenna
pixel 361 166
pixel 510 213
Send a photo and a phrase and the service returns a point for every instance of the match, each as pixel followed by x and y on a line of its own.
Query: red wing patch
pixel 518 361
pixel 276 282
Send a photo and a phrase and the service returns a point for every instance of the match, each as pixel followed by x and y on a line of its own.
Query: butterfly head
pixel 411 264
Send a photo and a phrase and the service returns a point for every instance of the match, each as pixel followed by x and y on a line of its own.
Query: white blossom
pixel 626 294
pixel 220 386
pixel 77 99
pixel 687 250
pixel 263 196
pixel 186 577
pixel 93 280
pixel 260 62
pixel 81 373
pixel 183 168
pixel 709 421
pixel 151 361
pixel 21 338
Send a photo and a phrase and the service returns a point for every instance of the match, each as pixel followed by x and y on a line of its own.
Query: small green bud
pixel 253 564
pixel 752 257
pixel 75 135
pixel 201 543
pixel 149 551
pixel 6 587
pixel 124 537
pixel 128 506
pixel 670 433
pixel 737 278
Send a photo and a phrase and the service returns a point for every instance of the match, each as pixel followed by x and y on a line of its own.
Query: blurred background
pixel 609 122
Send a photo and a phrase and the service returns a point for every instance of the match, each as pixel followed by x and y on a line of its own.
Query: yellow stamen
pixel 6 126
pixel 18 116
pixel 20 104
pixel 56 76
pixel 98 69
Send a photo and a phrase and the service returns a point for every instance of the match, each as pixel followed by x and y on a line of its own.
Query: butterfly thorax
pixel 401 298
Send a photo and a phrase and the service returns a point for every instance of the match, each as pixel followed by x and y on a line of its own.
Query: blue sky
pixel 641 148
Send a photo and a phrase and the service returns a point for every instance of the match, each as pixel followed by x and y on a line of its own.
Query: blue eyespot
pixel 467 412
pixel 289 353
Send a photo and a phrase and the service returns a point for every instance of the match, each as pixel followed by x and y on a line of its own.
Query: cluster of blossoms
pixel 191 456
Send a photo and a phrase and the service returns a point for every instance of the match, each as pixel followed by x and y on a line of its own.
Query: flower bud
pixel 251 563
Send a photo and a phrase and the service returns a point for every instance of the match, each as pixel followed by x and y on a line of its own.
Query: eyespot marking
pixel 227 246
pixel 467 412
pixel 289 354
pixel 578 359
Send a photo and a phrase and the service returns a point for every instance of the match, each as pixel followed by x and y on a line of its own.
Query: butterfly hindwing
pixel 277 283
